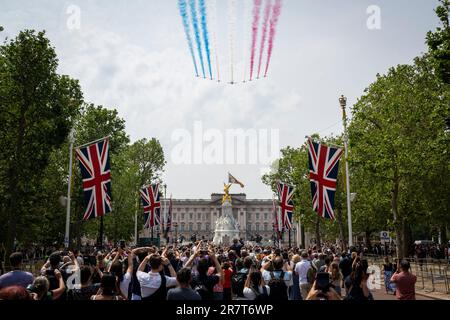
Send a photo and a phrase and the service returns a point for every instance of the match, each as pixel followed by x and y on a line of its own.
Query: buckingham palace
pixel 198 217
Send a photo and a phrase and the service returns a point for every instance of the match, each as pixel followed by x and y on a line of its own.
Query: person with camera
pixel 116 268
pixel 50 269
pixel 154 284
pixel 203 283
pixel 356 282
pixel 278 275
pixel 405 282
pixel 322 289
pixel 41 288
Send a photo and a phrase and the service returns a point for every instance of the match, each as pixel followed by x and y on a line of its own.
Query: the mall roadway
pixel 382 295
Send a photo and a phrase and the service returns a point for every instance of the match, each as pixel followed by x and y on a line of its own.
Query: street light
pixel 343 104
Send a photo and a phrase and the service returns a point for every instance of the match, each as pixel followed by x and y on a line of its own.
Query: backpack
pixel 261 297
pixel 311 275
pixel 238 282
pixel 278 288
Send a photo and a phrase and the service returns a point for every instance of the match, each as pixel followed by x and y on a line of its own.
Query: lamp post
pixel 69 185
pixel 343 104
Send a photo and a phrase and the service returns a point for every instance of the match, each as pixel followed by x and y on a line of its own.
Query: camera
pixel 122 244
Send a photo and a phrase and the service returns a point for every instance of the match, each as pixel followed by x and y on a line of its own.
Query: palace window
pixel 257 226
pixel 191 216
pixel 257 216
pixel 199 216
pixel 265 216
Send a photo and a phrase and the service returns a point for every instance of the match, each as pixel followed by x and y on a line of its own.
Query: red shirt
pixel 406 285
pixel 227 278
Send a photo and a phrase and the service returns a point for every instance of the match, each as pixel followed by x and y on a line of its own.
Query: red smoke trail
pixel 264 32
pixel 256 10
pixel 273 28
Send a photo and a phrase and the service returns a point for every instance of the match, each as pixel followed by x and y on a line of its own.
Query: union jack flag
pixel 323 172
pixel 96 175
pixel 152 205
pixel 285 194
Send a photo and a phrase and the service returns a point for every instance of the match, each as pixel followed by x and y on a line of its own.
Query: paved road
pixel 381 295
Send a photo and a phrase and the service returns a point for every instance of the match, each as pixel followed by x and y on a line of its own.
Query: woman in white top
pixel 255 288
pixel 116 268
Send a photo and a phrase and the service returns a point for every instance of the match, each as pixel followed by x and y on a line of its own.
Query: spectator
pixel 255 289
pixel 295 288
pixel 227 274
pixel 40 289
pixel 281 271
pixel 336 277
pixel 388 270
pixel 86 289
pixel 204 283
pixel 184 291
pixel 108 289
pixel 405 282
pixel 16 277
pixel 301 269
pixel 356 282
pixel 236 247
pixel 14 293
pixel 154 284
pixel 116 268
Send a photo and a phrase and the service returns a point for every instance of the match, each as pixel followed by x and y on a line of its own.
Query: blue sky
pixel 132 55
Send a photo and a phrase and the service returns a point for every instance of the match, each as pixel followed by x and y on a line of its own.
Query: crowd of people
pixel 203 271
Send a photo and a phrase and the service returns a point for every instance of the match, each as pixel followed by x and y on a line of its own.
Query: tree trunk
pixel 318 241
pixel 397 222
pixel 368 243
pixel 341 229
pixel 13 209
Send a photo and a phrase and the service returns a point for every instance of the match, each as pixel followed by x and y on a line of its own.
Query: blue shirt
pixel 16 278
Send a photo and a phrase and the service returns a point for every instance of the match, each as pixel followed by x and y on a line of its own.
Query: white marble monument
pixel 226 227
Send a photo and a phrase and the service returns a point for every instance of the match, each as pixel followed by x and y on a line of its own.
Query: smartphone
pixel 323 281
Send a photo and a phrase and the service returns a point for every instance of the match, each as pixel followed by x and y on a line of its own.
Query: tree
pixel 439 42
pixel 37 108
pixel 397 141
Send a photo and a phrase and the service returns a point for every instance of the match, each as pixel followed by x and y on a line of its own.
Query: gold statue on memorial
pixel 226 197
pixel 226 187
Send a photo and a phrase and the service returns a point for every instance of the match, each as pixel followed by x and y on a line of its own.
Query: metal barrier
pixel 432 274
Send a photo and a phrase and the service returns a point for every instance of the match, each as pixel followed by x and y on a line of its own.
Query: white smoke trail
pixel 212 22
pixel 246 30
pixel 231 33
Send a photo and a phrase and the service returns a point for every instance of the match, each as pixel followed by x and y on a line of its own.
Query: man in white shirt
pixel 154 284
pixel 302 270
pixel 279 268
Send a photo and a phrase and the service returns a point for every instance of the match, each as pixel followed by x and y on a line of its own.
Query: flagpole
pixel 165 213
pixel 343 103
pixel 135 223
pixel 69 185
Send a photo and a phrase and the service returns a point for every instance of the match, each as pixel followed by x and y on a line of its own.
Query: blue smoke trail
pixel 183 12
pixel 205 34
pixel 197 33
